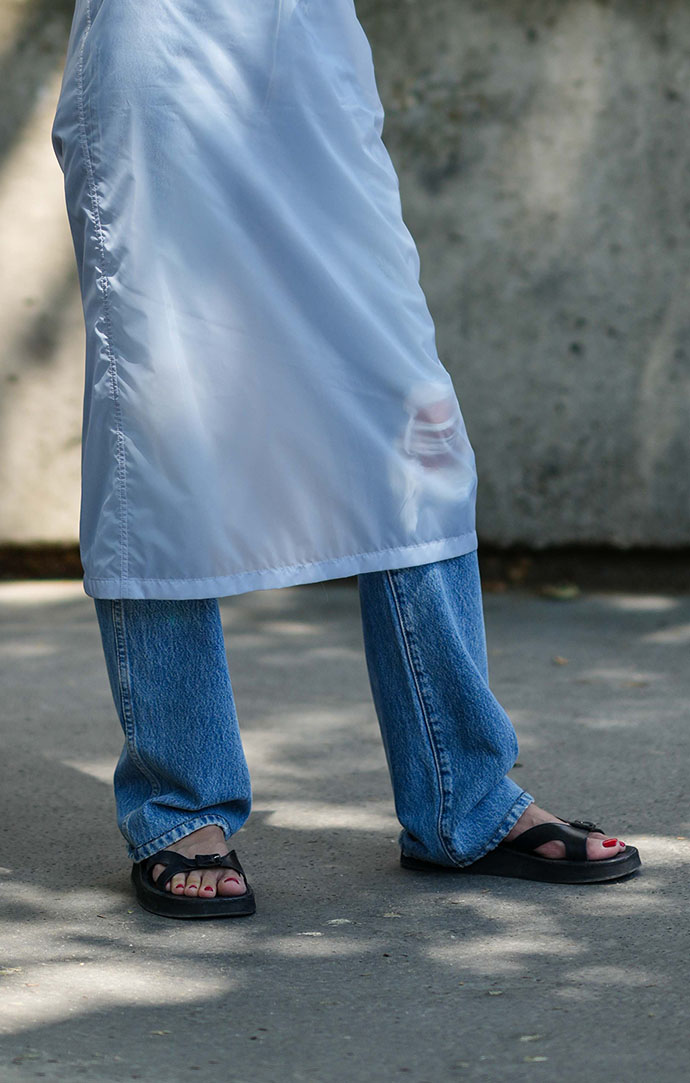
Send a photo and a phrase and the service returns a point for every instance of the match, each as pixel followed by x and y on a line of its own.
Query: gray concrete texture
pixel 353 970
pixel 543 159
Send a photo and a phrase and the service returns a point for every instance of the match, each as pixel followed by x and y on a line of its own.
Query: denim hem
pixel 507 824
pixel 147 849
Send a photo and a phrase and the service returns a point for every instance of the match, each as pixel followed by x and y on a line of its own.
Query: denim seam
pixel 103 284
pixel 425 716
pixel 126 698
pixel 445 771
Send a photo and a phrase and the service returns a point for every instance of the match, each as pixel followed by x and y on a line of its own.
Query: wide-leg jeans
pixel 449 743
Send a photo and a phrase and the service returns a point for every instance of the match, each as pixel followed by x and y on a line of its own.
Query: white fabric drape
pixel 264 404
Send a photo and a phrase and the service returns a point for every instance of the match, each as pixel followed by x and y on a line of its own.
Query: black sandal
pixel 518 859
pixel 151 894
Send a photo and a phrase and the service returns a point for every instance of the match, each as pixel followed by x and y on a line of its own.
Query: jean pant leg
pixel 448 742
pixel 182 765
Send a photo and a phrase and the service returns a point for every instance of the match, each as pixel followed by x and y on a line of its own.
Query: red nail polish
pixel 231 880
pixel 208 888
pixel 610 842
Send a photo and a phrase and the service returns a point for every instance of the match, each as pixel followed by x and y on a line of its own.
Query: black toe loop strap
pixel 175 863
pixel 572 834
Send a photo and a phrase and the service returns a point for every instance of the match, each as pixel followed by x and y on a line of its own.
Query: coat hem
pixel 290 575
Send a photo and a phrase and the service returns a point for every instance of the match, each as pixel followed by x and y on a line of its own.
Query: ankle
pixel 210 835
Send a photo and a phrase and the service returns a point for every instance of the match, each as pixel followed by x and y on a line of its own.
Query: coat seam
pixel 103 285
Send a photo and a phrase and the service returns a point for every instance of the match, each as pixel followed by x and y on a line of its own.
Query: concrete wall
pixel 41 334
pixel 545 174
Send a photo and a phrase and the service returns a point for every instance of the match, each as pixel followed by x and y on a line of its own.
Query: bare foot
pixel 598 845
pixel 205 883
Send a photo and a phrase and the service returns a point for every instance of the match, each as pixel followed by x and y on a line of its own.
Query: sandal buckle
pixel 204 860
pixel 586 825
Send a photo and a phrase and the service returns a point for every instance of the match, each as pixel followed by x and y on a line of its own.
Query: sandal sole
pixel 512 863
pixel 166 905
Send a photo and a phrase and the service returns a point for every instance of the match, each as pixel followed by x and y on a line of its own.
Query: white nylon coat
pixel 264 404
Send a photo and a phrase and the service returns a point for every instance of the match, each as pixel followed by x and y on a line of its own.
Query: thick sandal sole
pixel 512 863
pixel 166 905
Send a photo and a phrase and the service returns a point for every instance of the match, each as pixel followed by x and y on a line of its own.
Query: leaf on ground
pixel 559 660
pixel 560 592
pixel 533 1060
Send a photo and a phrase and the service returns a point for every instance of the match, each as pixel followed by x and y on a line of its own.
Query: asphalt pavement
pixel 353 969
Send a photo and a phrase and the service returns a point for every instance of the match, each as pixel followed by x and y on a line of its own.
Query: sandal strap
pixel 586 824
pixel 175 863
pixel 573 834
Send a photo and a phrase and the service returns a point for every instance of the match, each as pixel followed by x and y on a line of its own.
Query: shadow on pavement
pixel 352 969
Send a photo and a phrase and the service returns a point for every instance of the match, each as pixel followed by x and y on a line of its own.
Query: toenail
pixel 610 842
pixel 231 880
pixel 208 888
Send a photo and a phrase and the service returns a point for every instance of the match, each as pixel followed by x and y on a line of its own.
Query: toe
pixel 177 884
pixel 231 883
pixel 207 888
pixel 600 846
pixel 193 882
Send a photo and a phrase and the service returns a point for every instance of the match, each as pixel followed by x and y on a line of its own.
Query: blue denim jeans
pixel 449 744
